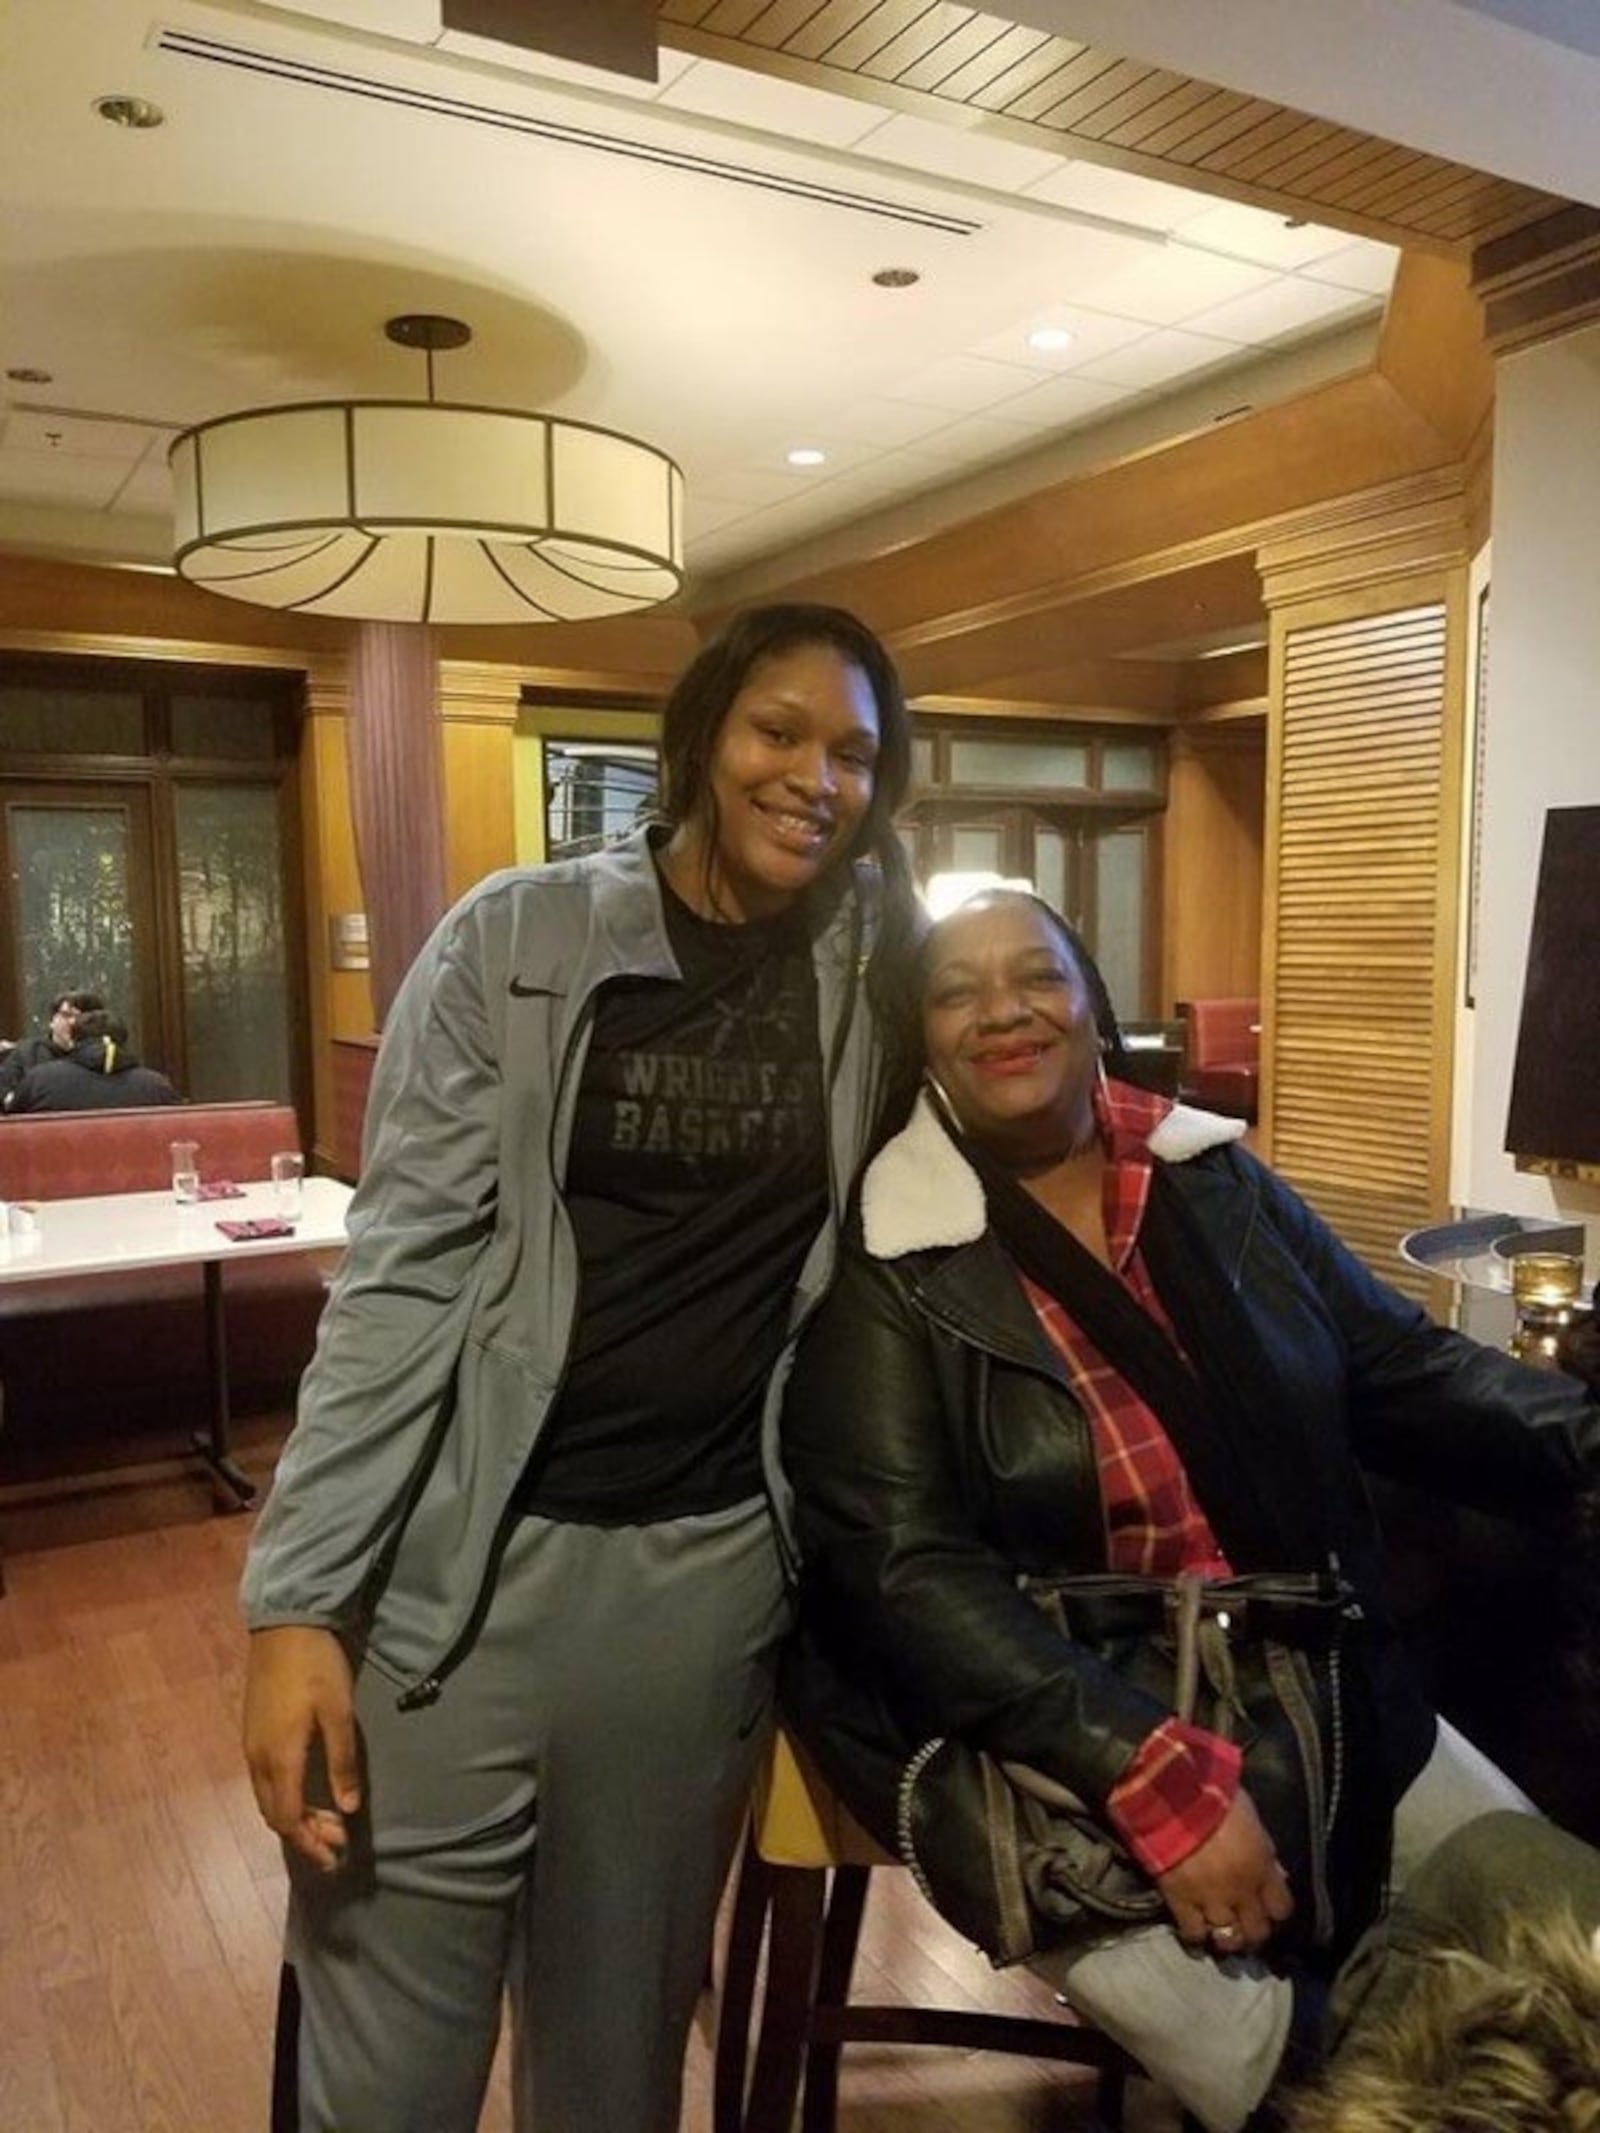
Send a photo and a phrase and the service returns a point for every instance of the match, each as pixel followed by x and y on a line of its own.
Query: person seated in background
pixel 1476 2001
pixel 1082 1339
pixel 97 1073
pixel 60 1029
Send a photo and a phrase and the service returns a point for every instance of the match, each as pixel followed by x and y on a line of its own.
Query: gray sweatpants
pixel 1213 2031
pixel 558 1823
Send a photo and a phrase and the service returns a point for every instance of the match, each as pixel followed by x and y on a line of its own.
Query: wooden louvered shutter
pixel 1361 919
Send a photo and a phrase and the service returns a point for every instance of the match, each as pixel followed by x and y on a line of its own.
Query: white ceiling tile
pixel 1258 233
pixel 977 437
pixel 147 490
pixel 1160 358
pixel 417 20
pixel 720 551
pixel 1286 306
pixel 702 515
pixel 770 105
pixel 31 430
pixel 489 50
pixel 963 383
pixel 1096 189
pixel 962 153
pixel 843 453
pixel 768 475
pixel 1365 265
pixel 884 423
pixel 60 478
pixel 1093 333
pixel 1171 285
pixel 910 473
pixel 747 486
pixel 1060 402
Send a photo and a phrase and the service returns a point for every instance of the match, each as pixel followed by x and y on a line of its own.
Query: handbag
pixel 1018 1862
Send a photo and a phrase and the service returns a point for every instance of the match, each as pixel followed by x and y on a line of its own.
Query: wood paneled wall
pixel 478 704
pixel 1212 861
pixel 1363 836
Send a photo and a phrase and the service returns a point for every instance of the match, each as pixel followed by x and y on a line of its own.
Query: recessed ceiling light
pixel 806 455
pixel 896 278
pixel 135 112
pixel 1049 340
pixel 26 374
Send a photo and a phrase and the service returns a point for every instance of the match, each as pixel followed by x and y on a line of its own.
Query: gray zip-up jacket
pixel 445 1339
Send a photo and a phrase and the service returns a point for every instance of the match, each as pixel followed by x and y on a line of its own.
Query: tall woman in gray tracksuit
pixel 517 1593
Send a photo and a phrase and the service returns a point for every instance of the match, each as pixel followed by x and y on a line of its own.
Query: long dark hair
pixel 701 700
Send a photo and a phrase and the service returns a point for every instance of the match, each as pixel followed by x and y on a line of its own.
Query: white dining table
pixel 113 1233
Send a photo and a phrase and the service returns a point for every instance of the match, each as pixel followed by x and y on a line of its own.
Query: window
pixel 147 820
pixel 595 792
pixel 1074 810
pixel 1017 763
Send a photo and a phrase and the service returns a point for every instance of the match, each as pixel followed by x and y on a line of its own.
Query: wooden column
pixel 1364 793
pixel 397 794
pixel 339 1001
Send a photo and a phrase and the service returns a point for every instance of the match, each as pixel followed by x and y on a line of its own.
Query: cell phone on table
pixel 258 1226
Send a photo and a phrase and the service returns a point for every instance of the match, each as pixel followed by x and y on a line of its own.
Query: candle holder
pixel 1546 1287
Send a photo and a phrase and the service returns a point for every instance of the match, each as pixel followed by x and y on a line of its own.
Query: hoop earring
pixel 943 1107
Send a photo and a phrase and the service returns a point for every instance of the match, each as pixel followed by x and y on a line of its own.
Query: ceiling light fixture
pixel 137 113
pixel 806 455
pixel 426 510
pixel 1050 340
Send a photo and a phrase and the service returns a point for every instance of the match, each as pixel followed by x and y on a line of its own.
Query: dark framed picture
pixel 1554 1119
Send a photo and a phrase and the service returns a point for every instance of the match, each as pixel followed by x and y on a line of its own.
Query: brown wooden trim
pixel 1541 280
pixel 1570 231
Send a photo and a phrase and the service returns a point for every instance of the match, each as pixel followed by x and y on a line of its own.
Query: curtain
pixel 396 795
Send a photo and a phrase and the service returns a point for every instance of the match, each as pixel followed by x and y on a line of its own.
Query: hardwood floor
pixel 141 1898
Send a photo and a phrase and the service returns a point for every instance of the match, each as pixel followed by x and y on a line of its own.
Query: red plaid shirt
pixel 1182 1779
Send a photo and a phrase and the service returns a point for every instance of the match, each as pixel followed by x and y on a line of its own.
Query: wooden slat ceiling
pixel 1083 101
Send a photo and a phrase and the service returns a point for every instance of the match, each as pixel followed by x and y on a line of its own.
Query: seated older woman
pixel 1081 1334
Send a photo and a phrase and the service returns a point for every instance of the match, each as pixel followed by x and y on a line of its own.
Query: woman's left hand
pixel 1231 1893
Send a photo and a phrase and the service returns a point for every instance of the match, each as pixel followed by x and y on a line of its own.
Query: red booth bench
pixel 1222 1054
pixel 136 1350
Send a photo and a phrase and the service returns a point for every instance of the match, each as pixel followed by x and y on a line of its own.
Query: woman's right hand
pixel 1231 1892
pixel 299 1690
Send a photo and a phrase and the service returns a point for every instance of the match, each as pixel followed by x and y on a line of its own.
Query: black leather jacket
pixel 937 1453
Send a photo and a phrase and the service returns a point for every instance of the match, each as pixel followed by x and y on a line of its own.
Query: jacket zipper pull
pixel 1352 1609
pixel 420 1694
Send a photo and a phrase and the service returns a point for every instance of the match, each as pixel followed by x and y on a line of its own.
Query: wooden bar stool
pixel 800 1893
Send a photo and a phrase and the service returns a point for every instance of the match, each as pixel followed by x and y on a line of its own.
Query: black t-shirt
pixel 696 1181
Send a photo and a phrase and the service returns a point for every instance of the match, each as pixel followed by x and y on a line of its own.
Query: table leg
pixel 212 1443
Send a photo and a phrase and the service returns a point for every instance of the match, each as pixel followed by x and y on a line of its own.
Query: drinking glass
pixel 186 1170
pixel 287 1171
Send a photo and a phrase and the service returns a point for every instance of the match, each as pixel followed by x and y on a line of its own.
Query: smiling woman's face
pixel 1008 1025
pixel 791 779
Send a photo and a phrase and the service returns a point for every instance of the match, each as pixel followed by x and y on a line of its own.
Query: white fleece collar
pixel 920 1192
